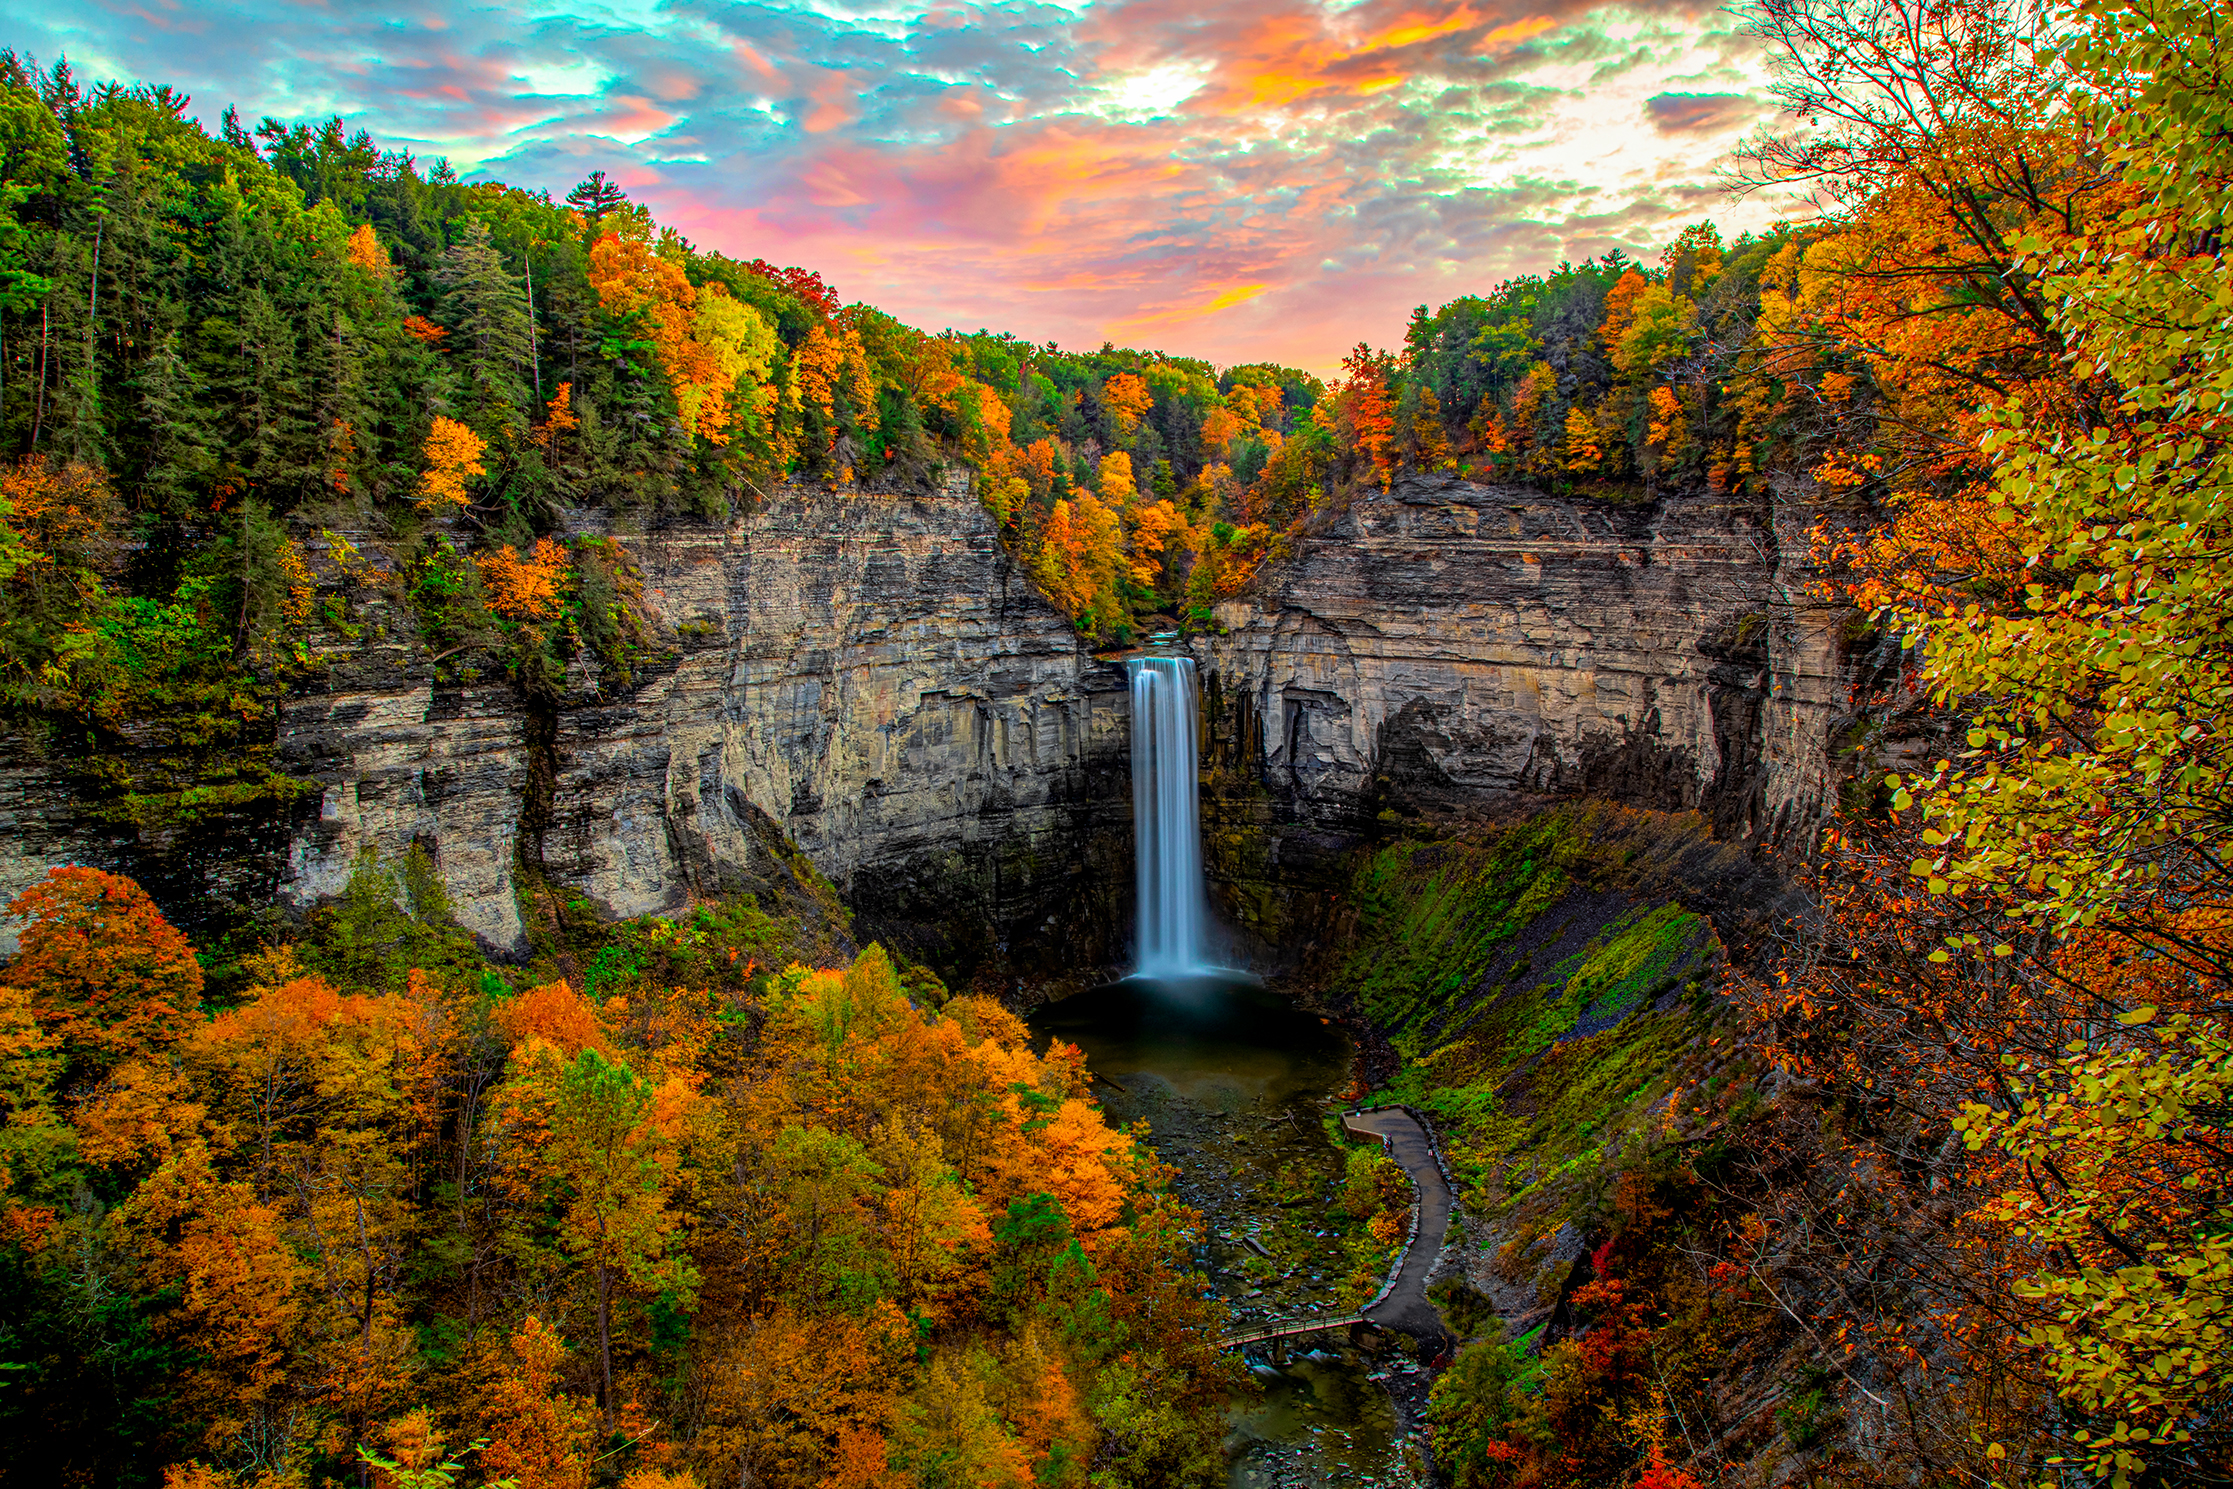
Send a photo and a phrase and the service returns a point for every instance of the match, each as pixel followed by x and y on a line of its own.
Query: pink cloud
pixel 1297 177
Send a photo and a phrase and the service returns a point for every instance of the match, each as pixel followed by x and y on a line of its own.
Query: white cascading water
pixel 1166 821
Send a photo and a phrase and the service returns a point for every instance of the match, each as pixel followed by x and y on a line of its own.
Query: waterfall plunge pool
pixel 1236 1083
pixel 1237 1086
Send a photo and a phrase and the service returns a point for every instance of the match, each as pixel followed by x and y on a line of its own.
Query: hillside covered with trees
pixel 251 372
pixel 1975 1197
pixel 729 1199
pixel 718 1216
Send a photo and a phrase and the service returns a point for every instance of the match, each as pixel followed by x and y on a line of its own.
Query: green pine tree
pixel 489 334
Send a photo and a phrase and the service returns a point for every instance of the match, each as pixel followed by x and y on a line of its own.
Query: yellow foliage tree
pixel 1116 484
pixel 1129 398
pixel 367 254
pixel 1666 429
pixel 1659 328
pixel 832 357
pixel 1082 558
pixel 453 457
pixel 1585 453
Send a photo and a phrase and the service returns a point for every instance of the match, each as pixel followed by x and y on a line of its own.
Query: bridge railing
pixel 1289 1328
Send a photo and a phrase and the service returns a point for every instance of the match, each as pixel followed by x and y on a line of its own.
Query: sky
pixel 1239 180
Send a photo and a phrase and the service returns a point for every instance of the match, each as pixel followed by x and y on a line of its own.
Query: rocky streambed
pixel 1239 1088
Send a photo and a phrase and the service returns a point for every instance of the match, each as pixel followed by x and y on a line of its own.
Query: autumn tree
pixel 1115 482
pixel 529 587
pixel 105 976
pixel 1938 132
pixel 2033 936
pixel 453 457
pixel 1367 410
pixel 931 1218
pixel 239 1285
pixel 35 1143
pixel 1129 399
pixel 1219 426
pixel 539 1435
pixel 704 339
pixel 605 1151
pixel 314 1086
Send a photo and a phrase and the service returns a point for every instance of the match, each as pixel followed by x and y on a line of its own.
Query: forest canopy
pixel 719 1216
pixel 725 1198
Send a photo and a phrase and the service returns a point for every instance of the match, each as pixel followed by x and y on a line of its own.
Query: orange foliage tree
pixel 529 588
pixel 453 457
pixel 104 975
pixel 1129 398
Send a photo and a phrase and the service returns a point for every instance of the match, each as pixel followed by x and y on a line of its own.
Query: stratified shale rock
pixel 870 672
pixel 1447 647
pixel 1449 642
pixel 875 678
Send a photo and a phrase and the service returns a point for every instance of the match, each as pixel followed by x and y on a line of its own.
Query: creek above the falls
pixel 1239 1088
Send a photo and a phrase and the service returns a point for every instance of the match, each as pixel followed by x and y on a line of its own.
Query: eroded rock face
pixel 875 677
pixel 869 672
pixel 1448 647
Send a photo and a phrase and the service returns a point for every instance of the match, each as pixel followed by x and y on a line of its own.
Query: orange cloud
pixel 1277 59
pixel 1182 315
pixel 750 57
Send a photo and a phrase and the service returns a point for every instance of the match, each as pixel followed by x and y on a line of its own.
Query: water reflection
pixel 1238 1086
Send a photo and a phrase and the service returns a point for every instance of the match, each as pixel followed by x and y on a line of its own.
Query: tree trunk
pixel 364 1248
pixel 534 355
pixel 605 1337
pixel 92 293
pixel 39 405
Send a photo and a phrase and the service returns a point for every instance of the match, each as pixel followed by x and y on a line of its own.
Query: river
pixel 1238 1087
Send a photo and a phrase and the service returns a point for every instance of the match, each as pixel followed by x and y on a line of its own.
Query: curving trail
pixel 1406 1306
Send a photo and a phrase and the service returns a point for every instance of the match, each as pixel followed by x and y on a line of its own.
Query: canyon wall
pixel 869 673
pixel 868 676
pixel 1450 643
pixel 1450 647
pixel 872 676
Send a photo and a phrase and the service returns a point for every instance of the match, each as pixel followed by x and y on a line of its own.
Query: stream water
pixel 1237 1085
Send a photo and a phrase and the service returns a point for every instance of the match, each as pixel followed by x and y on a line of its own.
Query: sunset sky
pixel 1247 180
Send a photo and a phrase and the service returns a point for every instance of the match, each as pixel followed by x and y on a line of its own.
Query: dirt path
pixel 1406 1306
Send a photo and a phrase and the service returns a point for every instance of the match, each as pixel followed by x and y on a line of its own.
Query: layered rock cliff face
pixel 1450 647
pixel 872 676
pixel 870 673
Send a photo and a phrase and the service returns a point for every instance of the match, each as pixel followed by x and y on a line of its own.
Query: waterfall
pixel 1166 818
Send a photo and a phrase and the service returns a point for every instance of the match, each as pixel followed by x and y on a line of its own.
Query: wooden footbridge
pixel 1402 1303
pixel 1277 1332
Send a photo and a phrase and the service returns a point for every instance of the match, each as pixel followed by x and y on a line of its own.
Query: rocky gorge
pixel 874 679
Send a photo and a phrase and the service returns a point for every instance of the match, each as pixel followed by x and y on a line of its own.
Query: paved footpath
pixel 1406 1306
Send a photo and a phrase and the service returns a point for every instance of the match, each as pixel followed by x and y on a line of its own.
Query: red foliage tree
pixel 805 283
